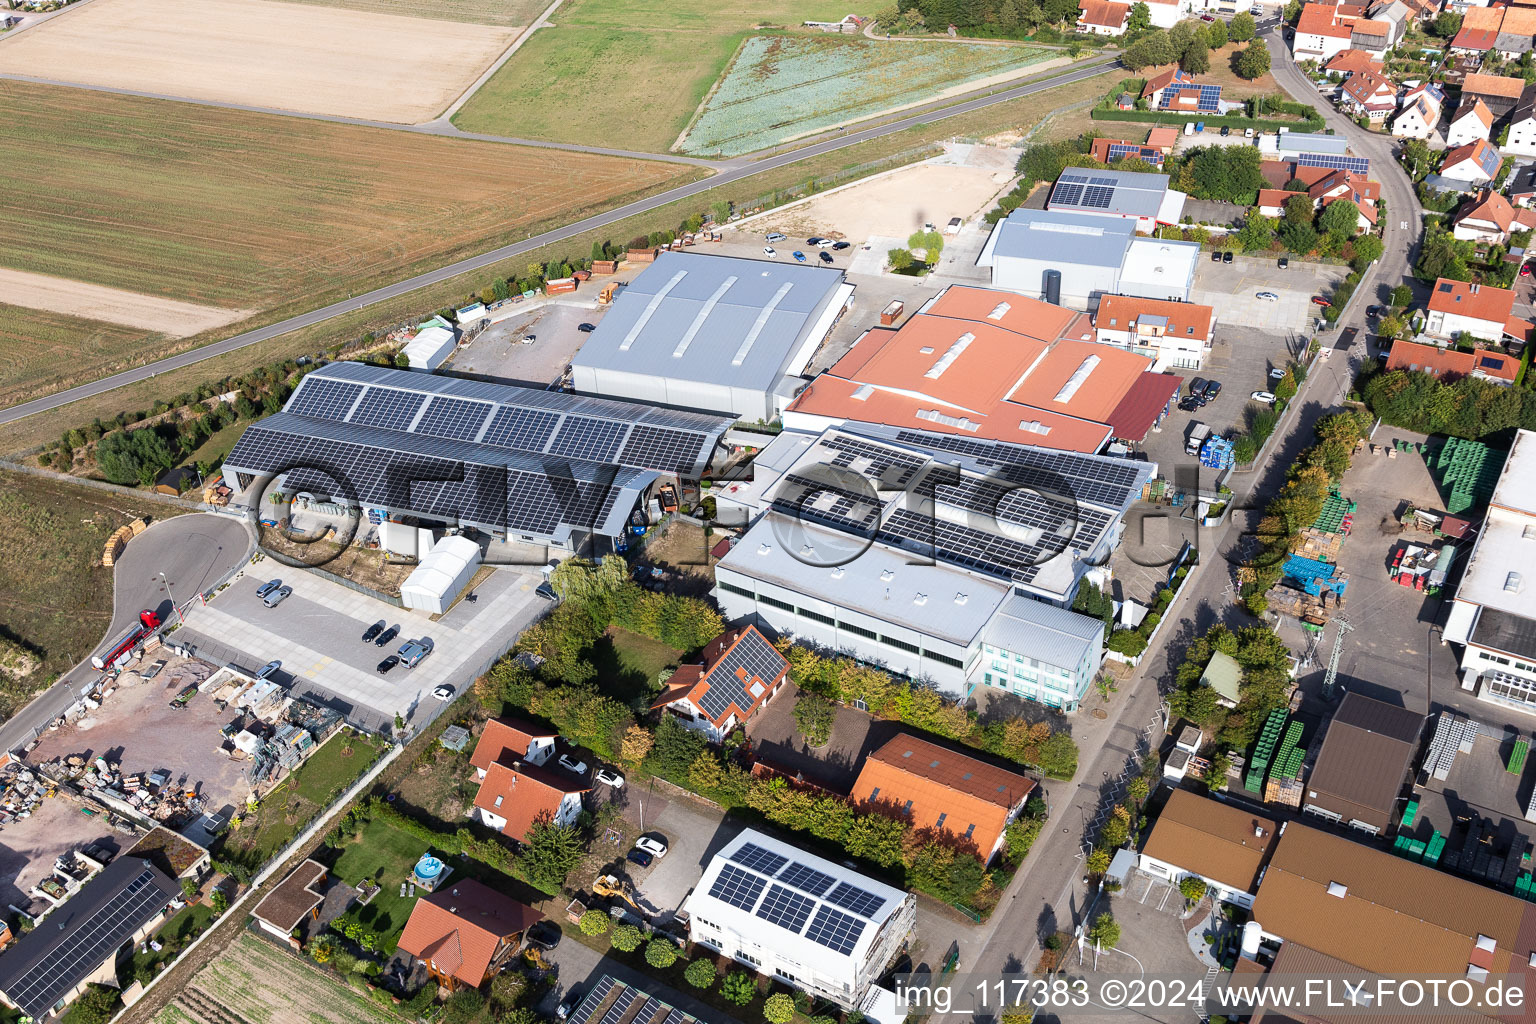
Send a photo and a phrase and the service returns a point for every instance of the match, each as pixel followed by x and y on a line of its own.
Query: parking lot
pixel 1232 290
pixel 499 350
pixel 317 632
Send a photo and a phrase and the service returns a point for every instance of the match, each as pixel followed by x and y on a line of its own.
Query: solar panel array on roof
pixel 807 879
pixel 859 901
pixel 750 855
pixel 785 908
pixel 1119 150
pixel 1067 193
pixel 751 661
pixel 836 930
pixel 640 1007
pixel 737 887
pixel 1355 164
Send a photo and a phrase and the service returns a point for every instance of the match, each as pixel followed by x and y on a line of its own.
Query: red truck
pixel 124 645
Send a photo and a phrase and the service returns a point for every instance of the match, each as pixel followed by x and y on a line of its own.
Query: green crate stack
pixel 1468 472
pixel 1335 508
pixel 1288 758
pixel 1410 812
pixel 1435 849
pixel 1265 749
pixel 1400 845
pixel 1523 886
pixel 1517 757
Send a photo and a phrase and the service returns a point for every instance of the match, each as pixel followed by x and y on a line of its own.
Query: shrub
pixel 738 987
pixel 814 715
pixel 701 973
pixel 779 1008
pixel 626 938
pixel 1192 888
pixel 660 953
pixel 594 922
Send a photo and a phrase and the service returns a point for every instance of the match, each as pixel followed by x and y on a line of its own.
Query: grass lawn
pixel 174 935
pixel 479 12
pixel 55 598
pixel 667 56
pixel 218 444
pixel 296 800
pixel 628 664
pixel 385 854
pixel 45 351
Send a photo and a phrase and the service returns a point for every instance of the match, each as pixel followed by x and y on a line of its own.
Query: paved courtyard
pixel 1232 290
pixel 499 350
pixel 317 632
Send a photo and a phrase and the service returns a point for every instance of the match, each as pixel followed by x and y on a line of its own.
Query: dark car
pixel 383 639
pixel 1215 256
pixel 1190 404
pixel 826 257
pixel 639 857
pixel 586 328
pixel 372 632
pixel 387 664
pixel 545 934
pixel 1225 131
pixel 1212 389
pixel 1285 262
pixel 1196 387
pixel 840 246
pixel 547 592
pixel 1227 256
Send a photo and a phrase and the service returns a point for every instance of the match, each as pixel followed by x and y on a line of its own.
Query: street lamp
pixel 166 580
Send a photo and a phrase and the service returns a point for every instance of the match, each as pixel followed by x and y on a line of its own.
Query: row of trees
pixel 1466 407
pixel 1187 44
pixel 1264 685
pixel 1125 818
pixel 998 18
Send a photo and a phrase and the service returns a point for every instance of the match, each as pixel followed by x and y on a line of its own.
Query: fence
pixel 1237 121
pixel 102 485
pixel 377 595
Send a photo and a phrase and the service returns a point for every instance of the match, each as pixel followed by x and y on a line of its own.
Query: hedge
pixel 1223 120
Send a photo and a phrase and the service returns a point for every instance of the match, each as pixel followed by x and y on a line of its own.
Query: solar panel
pixel 860 901
pixel 582 437
pixel 737 887
pixel 1067 194
pixel 584 1012
pixel 457 418
pixel 1098 197
pixel 326 399
pixel 526 430
pixel 758 859
pixel 661 449
pixel 785 908
pixel 620 1007
pixel 836 930
pixel 806 879
pixel 387 408
pixel 750 658
pixel 1102 181
pixel 1355 164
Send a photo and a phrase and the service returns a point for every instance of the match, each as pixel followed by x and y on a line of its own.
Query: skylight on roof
pixel 998 311
pixel 1078 379
pixel 950 355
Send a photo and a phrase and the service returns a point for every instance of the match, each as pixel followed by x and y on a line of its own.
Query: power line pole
pixel 1331 679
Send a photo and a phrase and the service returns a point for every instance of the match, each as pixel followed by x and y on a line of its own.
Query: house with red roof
pixel 1324 31
pixel 465 933
pixel 1173 334
pixel 1479 31
pixel 1178 91
pixel 1472 121
pixel 1476 163
pixel 515 795
pixel 1450 363
pixel 1499 93
pixel 1108 151
pixel 739 672
pixel 512 739
pixel 1348 62
pixel 1420 113
pixel 1103 17
pixel 1460 309
pixel 1489 217
pixel 1367 93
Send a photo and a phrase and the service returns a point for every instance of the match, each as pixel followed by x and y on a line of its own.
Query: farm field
pixel 667 57
pixel 111 305
pixel 779 88
pixel 243 210
pixel 302 57
pixel 256 982
pixel 42 351
pixel 513 13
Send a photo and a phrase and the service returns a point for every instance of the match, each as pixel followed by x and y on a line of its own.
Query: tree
pixel 738 988
pixel 96 1006
pixel 637 743
pixel 133 456
pixel 1446 25
pixel 322 949
pixel 626 938
pixel 1193 888
pixel 720 211
pixel 1339 219
pixel 549 854
pixel 1368 249
pixel 1298 238
pixel 1058 756
pixel 594 922
pixel 1252 61
pixel 1298 210
pixel 701 973
pixel 1196 58
pixel 1241 29
pixel 900 259
pixel 463 1006
pixel 1256 233
pixel 1216 34
pixel 1098 862
pixel 1216 775
pixel 779 1008
pixel 1105 931
pixel 814 715
pixel 1402 297
pixel 1140 19
pixel 661 953
pixel 218 901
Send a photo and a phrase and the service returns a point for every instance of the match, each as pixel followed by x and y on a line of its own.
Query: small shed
pixel 430 348
pixel 1223 675
pixel 441 575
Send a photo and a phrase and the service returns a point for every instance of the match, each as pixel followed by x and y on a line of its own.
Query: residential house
pixel 1224 676
pixel 1499 94
pixel 1479 32
pixel 1174 334
pixel 1369 94
pixel 1488 217
pixel 515 795
pixel 1108 151
pixel 1397 15
pixel 1516 32
pixel 1198 837
pixel 1450 363
pixel 1473 121
pixel 934 787
pixel 1457 308
pixel 1168 13
pixel 1335 185
pixel 1163 138
pixel 1323 32
pixel 1363 764
pixel 1271 202
pixel 1179 92
pixel 1103 17
pixel 512 739
pixel 296 897
pixel 739 673
pixel 1476 163
pixel 1374 36
pixel 465 933
pixel 1420 113
pixel 1521 187
pixel 1348 62
pixel 1522 126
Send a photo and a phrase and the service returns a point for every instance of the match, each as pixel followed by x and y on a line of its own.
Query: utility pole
pixel 1331 679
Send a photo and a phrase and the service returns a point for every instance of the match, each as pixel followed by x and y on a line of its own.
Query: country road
pixel 727 174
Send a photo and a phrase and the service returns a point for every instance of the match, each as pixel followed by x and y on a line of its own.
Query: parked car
pixel 547 592
pixel 799 256
pixel 1266 397
pixel 277 597
pixel 1206 17
pixel 387 664
pixel 826 257
pixel 268 669
pixel 816 240
pixel 1190 403
pixel 1212 389
pixel 1525 270
pixel 529 339
pixel 444 692
pixel 570 1002
pixel 609 777
pixel 267 587
pixel 414 652
pixel 639 857
pixel 545 934
pixel 1318 300
pixel 840 246
pixel 1226 257
pixel 372 632
pixel 1256 11
pixel 1216 256
pixel 586 328
pixel 384 638
pixel 1225 131
pixel 775 236
pixel 1284 263
pixel 1278 373
pixel 1268 296
pixel 823 243
pixel 1372 311
pixel 570 764
pixel 1196 387
pixel 653 844
pixel 768 250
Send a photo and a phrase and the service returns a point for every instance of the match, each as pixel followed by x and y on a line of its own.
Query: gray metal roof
pixel 714 319
pixel 1307 142
pixel 1055 237
pixel 1043 631
pixel 1129 193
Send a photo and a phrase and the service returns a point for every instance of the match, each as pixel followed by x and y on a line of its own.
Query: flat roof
pixel 1365 759
pixel 1094 191
pixel 1056 636
pixel 1056 236
pixel 715 319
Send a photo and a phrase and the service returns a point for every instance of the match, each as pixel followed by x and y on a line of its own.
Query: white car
pixel 529 339
pixel 609 777
pixel 653 845
pixel 570 764
pixel 1268 296
pixel 444 692
pixel 769 250
pixel 1266 397
pixel 268 669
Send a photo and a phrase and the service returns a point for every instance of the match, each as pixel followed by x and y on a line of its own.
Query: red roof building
pixel 511 739
pixel 740 672
pixel 1450 363
pixel 463 933
pixel 1102 17
pixel 1457 308
pixel 1174 334
pixel 514 796
pixel 1488 217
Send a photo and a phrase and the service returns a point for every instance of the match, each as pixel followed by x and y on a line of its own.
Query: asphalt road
pixel 392 291
pixel 194 551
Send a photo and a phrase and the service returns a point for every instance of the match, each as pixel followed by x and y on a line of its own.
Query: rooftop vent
pixel 926 350
pixel 1487 943
pixel 839 573
pixel 961 599
pixel 1512 583
pixel 1477 973
pixel 920 599
pixel 765 549
pixel 1337 889
pixel 886 575
pixel 863 392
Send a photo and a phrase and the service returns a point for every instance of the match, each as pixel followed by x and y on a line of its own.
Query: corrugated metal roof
pixel 1072 238
pixel 1044 632
pixel 1364 759
pixel 1122 193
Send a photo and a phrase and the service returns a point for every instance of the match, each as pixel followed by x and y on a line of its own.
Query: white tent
pixel 430 347
pixel 433 584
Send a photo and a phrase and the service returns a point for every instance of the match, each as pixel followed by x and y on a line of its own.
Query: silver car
pixel 277 597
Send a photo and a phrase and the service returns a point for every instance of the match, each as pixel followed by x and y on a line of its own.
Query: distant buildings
pixel 1488 217
pixel 1450 363
pixel 1364 763
pixel 740 671
pixel 1140 197
pixel 1103 17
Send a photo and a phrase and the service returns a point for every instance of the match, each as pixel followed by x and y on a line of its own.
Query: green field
pixel 42 351
pixel 623 73
pixel 479 12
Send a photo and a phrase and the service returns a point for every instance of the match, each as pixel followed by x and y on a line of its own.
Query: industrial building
pixel 1072 258
pixel 1223 845
pixel 799 919
pixel 515 464
pixel 1364 763
pixel 1142 198
pixel 903 548
pixel 714 333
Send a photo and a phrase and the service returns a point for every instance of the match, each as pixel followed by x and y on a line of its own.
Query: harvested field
pixel 510 13
pixel 667 57
pixel 111 305
pixel 319 60
pixel 229 208
pixel 779 88
pixel 42 351
pixel 255 982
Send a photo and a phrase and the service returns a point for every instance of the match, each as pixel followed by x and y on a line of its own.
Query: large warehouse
pixel 520 464
pixel 713 332
pixel 1090 256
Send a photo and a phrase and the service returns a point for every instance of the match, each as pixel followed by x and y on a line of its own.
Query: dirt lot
pixel 319 60
pixel 360 565
pixel 28 848
pixel 136 726
pixel 93 302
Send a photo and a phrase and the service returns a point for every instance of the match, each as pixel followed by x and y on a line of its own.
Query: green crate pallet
pixel 1517 757
pixel 1410 812
pixel 1435 849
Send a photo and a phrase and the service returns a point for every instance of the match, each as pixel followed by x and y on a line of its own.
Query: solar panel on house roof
pixel 737 887
pixel 751 657
pixel 806 879
pixel 750 855
pixel 859 901
pixel 836 930
pixel 1356 164
pixel 785 908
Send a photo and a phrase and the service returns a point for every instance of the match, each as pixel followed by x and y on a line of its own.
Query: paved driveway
pixel 1232 290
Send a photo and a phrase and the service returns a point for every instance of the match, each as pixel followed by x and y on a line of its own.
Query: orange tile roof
pixel 971 795
pixel 526 793
pixel 1103 12
pixel 692 682
pixel 1483 19
pixel 1476 108
pixel 1117 312
pixel 503 736
pixel 1368 86
pixel 460 929
pixel 1477 84
pixel 1371 28
pixel 1162 137
pixel 1480 302
pixel 1520 21
pixel 1438 362
pixel 1275 196
pixel 1212 839
pixel 1320 20
pixel 1350 61
pixel 1488 206
pixel 1347 185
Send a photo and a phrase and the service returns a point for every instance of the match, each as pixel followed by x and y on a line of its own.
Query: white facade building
pixel 799 919
pixel 1088 256
pixel 1042 653
pixel 1522 128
